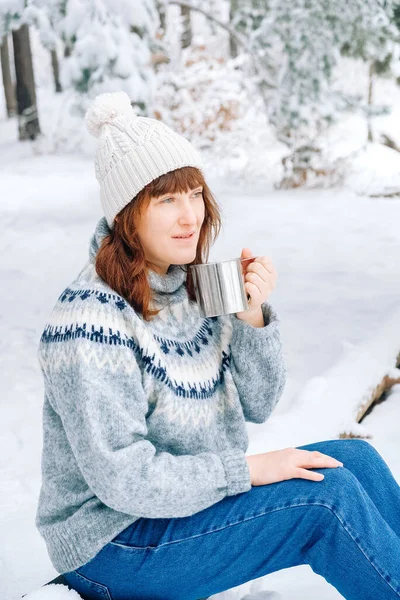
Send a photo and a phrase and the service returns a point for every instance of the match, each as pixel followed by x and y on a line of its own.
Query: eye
pixel 166 200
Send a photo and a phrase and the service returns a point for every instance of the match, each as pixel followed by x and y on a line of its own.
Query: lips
pixel 184 236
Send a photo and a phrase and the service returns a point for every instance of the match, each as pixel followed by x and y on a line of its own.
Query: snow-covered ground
pixel 337 257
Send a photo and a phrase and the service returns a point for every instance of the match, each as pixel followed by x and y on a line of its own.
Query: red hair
pixel 121 262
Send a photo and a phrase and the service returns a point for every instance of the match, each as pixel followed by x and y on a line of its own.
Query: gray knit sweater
pixel 144 418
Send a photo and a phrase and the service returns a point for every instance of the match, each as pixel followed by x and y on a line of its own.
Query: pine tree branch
pixel 241 40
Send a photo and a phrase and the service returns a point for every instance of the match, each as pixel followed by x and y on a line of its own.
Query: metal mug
pixel 219 287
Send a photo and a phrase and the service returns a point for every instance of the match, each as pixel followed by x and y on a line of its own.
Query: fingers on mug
pixel 245 263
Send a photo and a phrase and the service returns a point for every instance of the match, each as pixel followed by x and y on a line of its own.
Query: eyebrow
pixel 174 193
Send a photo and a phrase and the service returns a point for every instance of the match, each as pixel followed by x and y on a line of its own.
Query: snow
pixel 53 592
pixel 375 171
pixel 336 253
pixel 337 297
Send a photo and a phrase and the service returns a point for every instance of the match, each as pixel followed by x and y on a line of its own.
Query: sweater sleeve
pixel 103 413
pixel 257 365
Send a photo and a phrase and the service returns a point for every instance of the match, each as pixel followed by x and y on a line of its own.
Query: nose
pixel 187 213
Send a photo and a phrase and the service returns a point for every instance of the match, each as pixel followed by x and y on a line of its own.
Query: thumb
pixel 246 253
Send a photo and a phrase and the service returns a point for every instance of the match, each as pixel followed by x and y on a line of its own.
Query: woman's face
pixel 166 218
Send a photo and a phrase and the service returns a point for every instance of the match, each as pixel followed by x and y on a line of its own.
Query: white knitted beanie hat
pixel 132 150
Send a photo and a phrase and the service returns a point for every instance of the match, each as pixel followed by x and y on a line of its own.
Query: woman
pixel 147 492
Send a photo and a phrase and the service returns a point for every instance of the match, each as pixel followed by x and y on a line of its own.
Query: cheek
pixel 201 213
pixel 156 224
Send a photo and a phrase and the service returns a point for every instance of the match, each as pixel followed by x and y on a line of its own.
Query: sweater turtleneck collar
pixel 169 282
pixel 160 283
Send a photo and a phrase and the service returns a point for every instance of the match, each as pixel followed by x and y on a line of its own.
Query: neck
pixel 157 269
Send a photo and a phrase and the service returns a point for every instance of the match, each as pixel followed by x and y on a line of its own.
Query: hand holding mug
pixel 260 279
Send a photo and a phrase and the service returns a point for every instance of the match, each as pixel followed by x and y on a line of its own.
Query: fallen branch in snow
pixel 389 142
pixel 331 405
pixel 393 194
pixel 377 396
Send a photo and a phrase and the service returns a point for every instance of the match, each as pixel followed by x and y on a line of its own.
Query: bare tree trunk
pixel 186 38
pixel 233 47
pixel 370 91
pixel 162 16
pixel 56 70
pixel 9 88
pixel 28 120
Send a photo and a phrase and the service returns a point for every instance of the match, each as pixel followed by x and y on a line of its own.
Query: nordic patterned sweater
pixel 144 418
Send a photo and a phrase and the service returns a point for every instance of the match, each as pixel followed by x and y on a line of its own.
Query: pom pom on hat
pixel 105 109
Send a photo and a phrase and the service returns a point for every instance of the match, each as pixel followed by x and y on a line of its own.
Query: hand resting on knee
pixel 289 463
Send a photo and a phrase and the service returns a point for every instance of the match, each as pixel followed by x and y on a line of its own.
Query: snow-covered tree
pixel 45 16
pixel 295 46
pixel 375 43
pixel 298 44
pixel 10 15
pixel 107 44
pixel 201 97
pixel 110 44
pixel 12 20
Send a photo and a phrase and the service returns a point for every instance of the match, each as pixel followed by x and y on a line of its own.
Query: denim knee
pixel 338 490
pixel 353 448
pixel 360 445
pixel 365 448
pixel 361 451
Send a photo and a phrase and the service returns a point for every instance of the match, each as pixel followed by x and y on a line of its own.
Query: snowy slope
pixel 338 292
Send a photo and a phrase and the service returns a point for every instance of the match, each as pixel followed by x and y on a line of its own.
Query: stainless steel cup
pixel 219 287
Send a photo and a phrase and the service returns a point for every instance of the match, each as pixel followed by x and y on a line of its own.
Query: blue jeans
pixel 346 527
